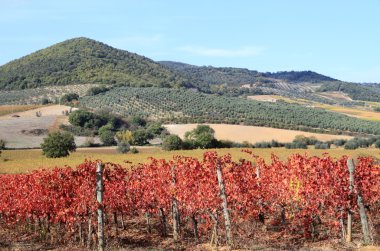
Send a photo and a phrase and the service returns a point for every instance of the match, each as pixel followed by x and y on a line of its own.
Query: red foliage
pixel 305 188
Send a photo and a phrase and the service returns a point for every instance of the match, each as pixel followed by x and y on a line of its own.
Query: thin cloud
pixel 245 51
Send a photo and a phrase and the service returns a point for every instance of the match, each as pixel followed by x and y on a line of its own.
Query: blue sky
pixel 337 38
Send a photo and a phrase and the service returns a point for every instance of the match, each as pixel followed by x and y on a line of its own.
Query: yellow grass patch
pixel 252 134
pixel 21 161
pixel 354 112
pixel 9 109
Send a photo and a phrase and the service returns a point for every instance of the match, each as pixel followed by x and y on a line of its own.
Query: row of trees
pixel 186 106
pixel 301 195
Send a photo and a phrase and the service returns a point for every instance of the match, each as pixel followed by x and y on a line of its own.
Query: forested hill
pixel 369 92
pixel 203 75
pixel 239 76
pixel 299 76
pixel 83 61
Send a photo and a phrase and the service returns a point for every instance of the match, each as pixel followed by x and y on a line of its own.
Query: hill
pixel 239 76
pixel 369 92
pixel 209 75
pixel 299 76
pixel 83 61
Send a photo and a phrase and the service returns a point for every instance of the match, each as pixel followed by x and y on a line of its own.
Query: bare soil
pixel 15 130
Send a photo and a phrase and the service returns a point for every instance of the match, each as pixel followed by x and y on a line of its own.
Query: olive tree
pixel 58 145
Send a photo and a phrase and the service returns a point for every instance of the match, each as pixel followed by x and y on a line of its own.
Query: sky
pixel 337 38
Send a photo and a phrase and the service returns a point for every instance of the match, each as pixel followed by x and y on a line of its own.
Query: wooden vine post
pixel 99 199
pixel 223 196
pixel 175 212
pixel 360 202
pixel 351 170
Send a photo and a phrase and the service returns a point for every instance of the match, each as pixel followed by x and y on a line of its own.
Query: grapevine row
pixel 297 194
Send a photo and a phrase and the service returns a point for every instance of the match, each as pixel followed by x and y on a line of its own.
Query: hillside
pixel 186 106
pixel 299 76
pixel 354 90
pixel 209 75
pixel 84 61
pixel 239 76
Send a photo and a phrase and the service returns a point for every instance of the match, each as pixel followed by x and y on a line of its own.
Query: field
pixel 252 134
pixel 361 112
pixel 35 96
pixel 9 109
pixel 140 209
pixel 357 112
pixel 186 106
pixel 21 161
pixel 22 131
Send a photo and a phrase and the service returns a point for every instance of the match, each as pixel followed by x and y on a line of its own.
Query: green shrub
pixel 134 150
pixel 2 145
pixel 123 147
pixel 58 145
pixel 138 121
pixel 263 144
pixel 107 136
pixel 351 145
pixel 377 144
pixel 305 140
pixel 275 143
pixel 69 97
pixel 44 101
pixel 339 142
pixel 96 90
pixel 322 145
pixel 296 145
pixel 86 119
pixel 172 142
pixel 141 137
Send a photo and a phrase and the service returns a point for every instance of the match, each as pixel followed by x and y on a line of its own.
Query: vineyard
pixel 187 106
pixel 214 199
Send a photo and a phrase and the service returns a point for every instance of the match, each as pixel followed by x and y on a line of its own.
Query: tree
pixel 155 128
pixel 125 135
pixel 106 135
pixel 202 136
pixel 44 101
pixel 141 137
pixel 138 121
pixel 2 145
pixel 58 145
pixel 351 145
pixel 172 142
pixel 123 147
pixel 67 98
pixel 86 119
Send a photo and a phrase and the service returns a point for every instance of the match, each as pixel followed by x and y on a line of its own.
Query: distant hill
pixel 239 76
pixel 299 76
pixel 84 61
pixel 216 75
pixel 369 92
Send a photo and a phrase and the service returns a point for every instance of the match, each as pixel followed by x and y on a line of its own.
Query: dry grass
pixel 21 161
pixel 252 134
pixel 354 112
pixel 335 96
pixel 9 109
